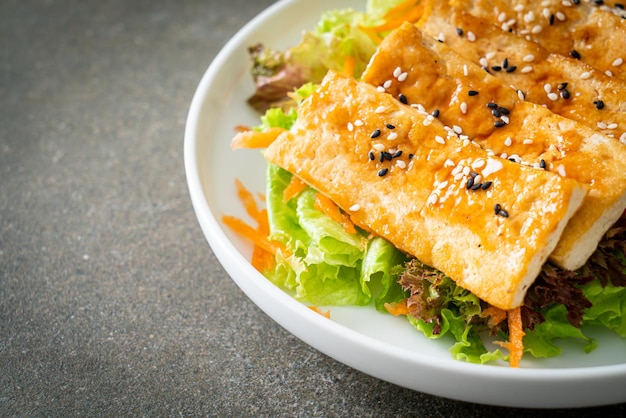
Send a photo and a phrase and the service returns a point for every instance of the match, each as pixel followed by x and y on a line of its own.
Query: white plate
pixel 380 345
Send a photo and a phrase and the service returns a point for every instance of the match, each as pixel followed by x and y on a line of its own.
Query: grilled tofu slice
pixel 579 29
pixel 435 79
pixel 486 222
pixel 566 86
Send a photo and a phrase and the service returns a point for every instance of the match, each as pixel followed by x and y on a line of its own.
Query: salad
pixel 309 247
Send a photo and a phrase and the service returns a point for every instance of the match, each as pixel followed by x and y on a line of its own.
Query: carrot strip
pixel 400 9
pixel 255 139
pixel 324 204
pixel 262 260
pixel 294 187
pixel 515 344
pixel 495 315
pixel 248 201
pixel 397 308
pixel 254 235
pixel 319 311
pixel 349 65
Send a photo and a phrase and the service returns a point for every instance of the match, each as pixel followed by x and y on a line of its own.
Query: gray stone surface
pixel 111 302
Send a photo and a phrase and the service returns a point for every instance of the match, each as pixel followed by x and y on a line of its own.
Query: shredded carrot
pixel 515 344
pixel 248 201
pixel 255 139
pixel 407 11
pixel 319 311
pixel 294 187
pixel 324 204
pixel 262 260
pixel 495 315
pixel 349 65
pixel 397 308
pixel 254 235
pixel 242 128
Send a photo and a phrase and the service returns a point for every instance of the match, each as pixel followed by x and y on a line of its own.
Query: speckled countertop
pixel 111 301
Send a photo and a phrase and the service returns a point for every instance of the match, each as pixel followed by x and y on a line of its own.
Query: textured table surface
pixel 111 301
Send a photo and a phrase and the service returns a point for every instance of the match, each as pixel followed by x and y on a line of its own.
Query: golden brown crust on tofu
pixel 566 86
pixel 405 176
pixel 491 113
pixel 584 31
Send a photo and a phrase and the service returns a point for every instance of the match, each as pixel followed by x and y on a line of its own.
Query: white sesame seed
pixel 458 177
pixel 546 12
pixel 466 171
pixel 547 87
pixel 432 199
pixel 586 75
pixel 442 37
pixel 618 62
pixel 464 108
pixel 602 125
pixel 527 142
pixel 561 16
pixel 508 141
pixel 561 170
pixel 527 69
pixel 378 147
pixel 536 29
pixel 501 17
pixel 489 55
pixel 504 155
pixel 518 8
pixel 609 73
pixel 612 126
pixel 553 96
pixel 465 70
pixel 401 163
pixel 623 138
pixel 355 207
pixel 545 3
pixel 380 89
pixel 528 58
pixel 358 122
pixel 403 76
pixel 478 179
pixel 448 163
pixel 483 62
pixel 529 17
pixel 457 129
pixel 397 72
pixel 392 136
pixel 566 3
pixel 478 163
pixel 379 109
pixel 350 127
pixel 471 37
pixel 442 185
pixel 521 95
pixel 427 122
pixel 505 119
pixel 440 140
pixel 387 84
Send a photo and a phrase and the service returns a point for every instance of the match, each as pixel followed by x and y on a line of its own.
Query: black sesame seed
pixel 503 213
pixel 476 186
pixel 505 63
pixel 436 113
pixel 562 86
pixel 504 110
pixel 486 185
pixel 565 94
pixel 576 2
pixel 371 155
pixel 386 155
pixel 411 156
pixel 381 157
pixel 574 54
pixel 492 105
pixel 542 164
pixel 390 126
pixel 599 104
pixel 396 154
pixel 551 19
pixel 497 208
pixel 511 69
pixel 375 134
pixel 403 99
pixel 486 69
pixel 619 6
pixel 473 174
pixel 470 183
pixel 459 31
pixel 598 2
pixel 495 112
pixel 382 172
pixel 499 123
pixel 496 68
pixel 472 93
